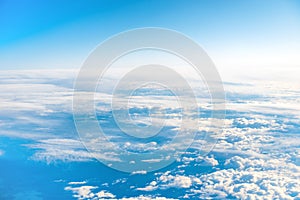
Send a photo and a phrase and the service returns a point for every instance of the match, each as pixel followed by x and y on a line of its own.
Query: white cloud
pixel 154 160
pixel 82 192
pixel 142 197
pixel 199 160
pixel 166 181
pixel 120 180
pixel 148 188
pixel 152 186
pixel 105 194
pixel 177 181
pixel 77 183
pixel 87 192
pixel 139 172
pixel 210 161
pixel 140 147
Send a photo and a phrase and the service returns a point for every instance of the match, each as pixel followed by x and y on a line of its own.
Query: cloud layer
pixel 257 154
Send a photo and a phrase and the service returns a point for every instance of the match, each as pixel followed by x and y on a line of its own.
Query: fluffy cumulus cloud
pixel 167 180
pixel 253 178
pixel 175 181
pixel 187 159
pixel 82 191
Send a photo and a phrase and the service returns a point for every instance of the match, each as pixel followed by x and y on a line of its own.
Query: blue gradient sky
pixel 60 34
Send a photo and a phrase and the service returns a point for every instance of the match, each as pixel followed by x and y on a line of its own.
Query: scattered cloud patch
pixel 66 150
pixel 152 186
pixel 142 197
pixel 139 172
pixel 167 180
pixel 199 160
pixel 88 192
pixel 104 194
pixel 82 192
pixel 77 183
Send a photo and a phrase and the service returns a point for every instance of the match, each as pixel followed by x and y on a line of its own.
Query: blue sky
pixel 56 34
